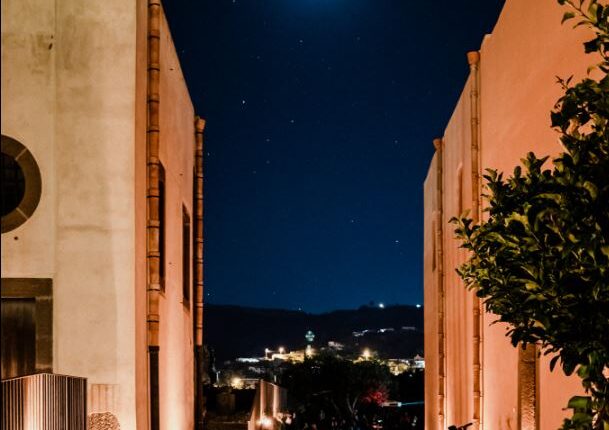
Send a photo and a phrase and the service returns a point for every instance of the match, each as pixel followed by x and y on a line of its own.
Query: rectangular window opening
pixel 186 255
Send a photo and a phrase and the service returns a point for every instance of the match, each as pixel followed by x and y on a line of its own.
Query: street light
pixel 309 351
pixel 236 382
pixel 366 354
pixel 281 350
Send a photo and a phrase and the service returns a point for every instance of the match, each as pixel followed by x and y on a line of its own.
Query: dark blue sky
pixel 320 117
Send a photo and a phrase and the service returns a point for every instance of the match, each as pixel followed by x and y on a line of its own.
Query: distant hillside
pixel 234 331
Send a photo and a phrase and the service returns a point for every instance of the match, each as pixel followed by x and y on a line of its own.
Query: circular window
pixel 21 184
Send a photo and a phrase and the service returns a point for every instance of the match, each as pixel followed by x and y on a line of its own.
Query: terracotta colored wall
pixel 457 198
pixel 430 298
pixel 177 156
pixel 519 62
pixel 516 98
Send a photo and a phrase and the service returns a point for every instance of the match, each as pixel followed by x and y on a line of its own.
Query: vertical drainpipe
pixel 473 58
pixel 153 257
pixel 198 272
pixel 438 144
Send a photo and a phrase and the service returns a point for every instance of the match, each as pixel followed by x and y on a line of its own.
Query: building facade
pixel 102 206
pixel 473 374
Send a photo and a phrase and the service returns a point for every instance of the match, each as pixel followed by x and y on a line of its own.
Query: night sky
pixel 320 119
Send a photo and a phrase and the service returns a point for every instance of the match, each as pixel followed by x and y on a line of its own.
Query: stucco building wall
pixel 74 77
pixel 518 65
pixel 431 298
pixel 28 75
pixel 177 156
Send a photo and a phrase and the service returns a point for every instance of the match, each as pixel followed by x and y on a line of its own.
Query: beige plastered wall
pixel 176 363
pixel 28 115
pixel 519 64
pixel 74 93
pixel 140 189
pixel 68 94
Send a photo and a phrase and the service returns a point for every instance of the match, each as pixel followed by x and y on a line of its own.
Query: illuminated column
pixel 198 272
pixel 439 144
pixel 473 58
pixel 153 221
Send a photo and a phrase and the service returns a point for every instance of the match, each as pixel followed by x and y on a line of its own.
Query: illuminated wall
pixel 518 66
pixel 74 93
pixel 269 406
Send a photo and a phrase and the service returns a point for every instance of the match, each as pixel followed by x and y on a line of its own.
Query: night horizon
pixel 377 305
pixel 305 215
pixel 320 120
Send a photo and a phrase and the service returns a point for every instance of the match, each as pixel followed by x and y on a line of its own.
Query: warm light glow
pixel 265 422
pixel 281 350
pixel 366 354
pixel 236 382
pixel 309 351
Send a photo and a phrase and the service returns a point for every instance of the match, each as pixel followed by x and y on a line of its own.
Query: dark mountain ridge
pixel 236 331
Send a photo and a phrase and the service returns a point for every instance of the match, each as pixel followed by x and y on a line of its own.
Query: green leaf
pixel 579 402
pixel 567 16
pixel 591 45
pixel 592 189
pixel 553 362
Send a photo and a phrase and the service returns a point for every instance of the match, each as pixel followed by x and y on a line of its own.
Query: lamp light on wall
pixel 265 422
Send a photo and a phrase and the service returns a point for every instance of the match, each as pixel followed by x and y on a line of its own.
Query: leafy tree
pixel 335 384
pixel 541 259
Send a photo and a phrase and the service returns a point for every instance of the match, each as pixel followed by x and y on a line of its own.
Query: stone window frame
pixel 41 290
pixel 33 184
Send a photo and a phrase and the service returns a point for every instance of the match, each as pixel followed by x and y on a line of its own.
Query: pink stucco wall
pixel 430 300
pixel 518 67
pixel 176 356
pixel 176 363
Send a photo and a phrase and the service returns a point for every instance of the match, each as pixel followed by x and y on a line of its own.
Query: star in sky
pixel 333 117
